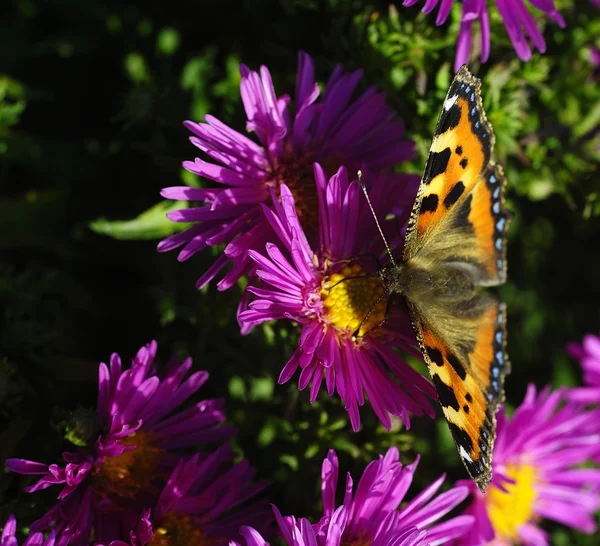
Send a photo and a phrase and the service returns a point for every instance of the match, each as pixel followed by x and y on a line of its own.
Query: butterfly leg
pixel 373 307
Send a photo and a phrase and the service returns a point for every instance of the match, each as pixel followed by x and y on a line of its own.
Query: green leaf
pixel 262 388
pixel 12 104
pixel 167 41
pixel 136 68
pixel 151 224
pixel 290 460
pixel 267 434
pixel 311 451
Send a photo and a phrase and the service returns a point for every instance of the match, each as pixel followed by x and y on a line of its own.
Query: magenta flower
pixel 332 129
pixel 329 295
pixel 204 501
pixel 519 24
pixel 302 533
pixel 138 432
pixel 536 473
pixel 9 531
pixel 588 354
pixel 374 511
pixel 371 515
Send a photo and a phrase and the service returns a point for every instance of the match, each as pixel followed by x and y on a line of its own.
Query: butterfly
pixel 455 247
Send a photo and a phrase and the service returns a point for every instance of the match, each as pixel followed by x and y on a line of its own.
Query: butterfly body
pixel 443 287
pixel 455 248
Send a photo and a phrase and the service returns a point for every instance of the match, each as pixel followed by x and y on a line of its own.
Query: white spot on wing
pixel 464 454
pixel 450 102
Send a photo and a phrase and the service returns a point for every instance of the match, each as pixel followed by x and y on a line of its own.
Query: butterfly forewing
pixel 460 151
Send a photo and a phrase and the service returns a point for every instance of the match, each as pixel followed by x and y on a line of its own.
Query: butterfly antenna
pixel 364 189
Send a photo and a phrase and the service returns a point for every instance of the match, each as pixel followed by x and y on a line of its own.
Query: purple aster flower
pixel 519 24
pixel 9 531
pixel 136 436
pixel 371 514
pixel 537 474
pixel 332 128
pixel 588 354
pixel 373 510
pixel 204 501
pixel 302 533
pixel 330 294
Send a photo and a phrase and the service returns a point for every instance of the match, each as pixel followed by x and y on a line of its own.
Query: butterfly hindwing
pixel 469 381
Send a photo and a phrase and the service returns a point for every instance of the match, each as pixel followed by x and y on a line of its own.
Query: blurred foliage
pixel 12 104
pixel 92 99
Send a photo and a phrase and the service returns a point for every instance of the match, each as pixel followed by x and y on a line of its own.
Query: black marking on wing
pixel 495 181
pixel 464 162
pixel 461 216
pixel 456 364
pixel 461 437
pixel 449 119
pixel 478 472
pixel 467 86
pixel 454 194
pixel 445 393
pixel 435 356
pixel 478 469
pixel 429 203
pixel 500 365
pixel 437 163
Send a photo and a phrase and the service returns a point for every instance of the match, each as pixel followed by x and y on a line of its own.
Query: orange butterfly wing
pixel 459 166
pixel 459 223
pixel 470 388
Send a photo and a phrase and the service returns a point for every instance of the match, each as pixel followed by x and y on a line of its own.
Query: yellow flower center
pixel 133 471
pixel 349 297
pixel 179 530
pixel 509 511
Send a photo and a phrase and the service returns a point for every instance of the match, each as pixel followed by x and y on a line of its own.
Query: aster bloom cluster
pixel 139 451
pixel 519 22
pixel 328 127
pixel 371 514
pixel 329 294
pixel 314 230
pixel 537 473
